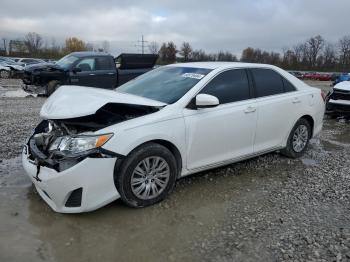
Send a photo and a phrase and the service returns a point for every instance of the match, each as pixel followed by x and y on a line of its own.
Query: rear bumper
pixel 93 176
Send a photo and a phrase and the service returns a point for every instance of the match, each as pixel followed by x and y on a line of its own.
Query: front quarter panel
pixel 129 136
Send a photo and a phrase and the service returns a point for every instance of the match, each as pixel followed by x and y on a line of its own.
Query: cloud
pixel 210 25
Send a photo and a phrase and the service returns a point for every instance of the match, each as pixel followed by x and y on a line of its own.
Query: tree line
pixel 33 45
pixel 315 53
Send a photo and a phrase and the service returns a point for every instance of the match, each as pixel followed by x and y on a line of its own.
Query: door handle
pixel 111 73
pixel 296 100
pixel 92 74
pixel 250 109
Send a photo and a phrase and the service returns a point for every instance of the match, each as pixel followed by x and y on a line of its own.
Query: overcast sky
pixel 212 25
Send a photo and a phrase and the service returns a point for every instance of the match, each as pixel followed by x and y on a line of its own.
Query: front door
pixel 225 132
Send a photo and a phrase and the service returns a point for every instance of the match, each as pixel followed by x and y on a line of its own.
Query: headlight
pixel 71 146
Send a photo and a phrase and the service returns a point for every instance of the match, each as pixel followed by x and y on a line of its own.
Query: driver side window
pixel 86 64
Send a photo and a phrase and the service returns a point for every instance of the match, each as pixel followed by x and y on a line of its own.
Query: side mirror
pixel 206 101
pixel 76 70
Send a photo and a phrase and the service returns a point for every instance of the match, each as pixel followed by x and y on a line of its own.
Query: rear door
pixel 278 104
pixel 225 132
pixel 106 72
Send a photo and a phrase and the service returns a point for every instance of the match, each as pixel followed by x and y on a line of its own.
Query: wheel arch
pixel 311 121
pixel 308 118
pixel 167 144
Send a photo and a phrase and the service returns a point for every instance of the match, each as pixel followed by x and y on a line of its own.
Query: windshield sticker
pixel 193 75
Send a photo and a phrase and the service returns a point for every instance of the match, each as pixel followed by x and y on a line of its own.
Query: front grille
pixel 340 95
pixel 74 199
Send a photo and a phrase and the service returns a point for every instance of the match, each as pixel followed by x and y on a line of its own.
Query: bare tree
pixel 153 47
pixel 329 56
pixel 168 52
pixel 344 51
pixel 186 51
pixel 33 42
pixel 315 46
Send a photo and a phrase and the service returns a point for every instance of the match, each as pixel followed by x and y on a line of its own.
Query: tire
pixel 295 148
pixel 130 172
pixel 51 87
pixel 5 74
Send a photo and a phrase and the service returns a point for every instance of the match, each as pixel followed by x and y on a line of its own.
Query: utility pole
pixel 142 44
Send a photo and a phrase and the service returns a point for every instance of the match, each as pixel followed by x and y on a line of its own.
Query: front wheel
pixel 51 87
pixel 298 139
pixel 146 176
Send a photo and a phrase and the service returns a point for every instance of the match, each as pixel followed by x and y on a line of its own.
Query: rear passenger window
pixel 229 86
pixel 267 82
pixel 104 63
pixel 288 87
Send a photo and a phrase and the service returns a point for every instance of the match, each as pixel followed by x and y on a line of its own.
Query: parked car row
pixel 314 76
pixel 14 67
pixel 10 68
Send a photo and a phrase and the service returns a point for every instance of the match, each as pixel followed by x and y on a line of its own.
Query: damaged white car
pixel 133 143
pixel 338 103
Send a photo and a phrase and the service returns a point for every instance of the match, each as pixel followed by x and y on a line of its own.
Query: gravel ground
pixel 270 208
pixel 303 215
pixel 18 116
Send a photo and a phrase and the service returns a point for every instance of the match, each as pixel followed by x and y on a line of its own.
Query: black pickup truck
pixel 94 69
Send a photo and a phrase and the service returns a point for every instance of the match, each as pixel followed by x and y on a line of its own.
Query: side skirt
pixel 227 162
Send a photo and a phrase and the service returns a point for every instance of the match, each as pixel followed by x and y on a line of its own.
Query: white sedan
pixel 95 146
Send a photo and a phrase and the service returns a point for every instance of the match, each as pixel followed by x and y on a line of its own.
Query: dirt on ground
pixel 269 208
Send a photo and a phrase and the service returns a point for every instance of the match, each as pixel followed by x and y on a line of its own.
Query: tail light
pixel 324 96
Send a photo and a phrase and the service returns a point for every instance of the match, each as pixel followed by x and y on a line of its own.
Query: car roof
pixel 222 65
pixel 89 53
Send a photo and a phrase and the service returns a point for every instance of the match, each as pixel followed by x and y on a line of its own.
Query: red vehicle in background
pixel 324 77
pixel 311 76
pixel 318 76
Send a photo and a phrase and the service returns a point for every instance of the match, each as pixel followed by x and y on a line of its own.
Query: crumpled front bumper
pixel 91 180
pixel 338 107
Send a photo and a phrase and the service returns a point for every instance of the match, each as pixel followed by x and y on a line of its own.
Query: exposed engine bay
pixel 62 143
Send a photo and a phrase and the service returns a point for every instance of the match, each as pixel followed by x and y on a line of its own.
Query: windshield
pixel 165 84
pixel 66 61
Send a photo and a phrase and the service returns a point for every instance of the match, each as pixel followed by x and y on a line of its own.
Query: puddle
pixel 168 231
pixel 12 174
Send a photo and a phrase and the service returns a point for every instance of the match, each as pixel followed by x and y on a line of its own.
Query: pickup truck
pixel 93 69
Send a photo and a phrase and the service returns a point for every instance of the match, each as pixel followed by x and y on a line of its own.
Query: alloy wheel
pixel 150 177
pixel 300 138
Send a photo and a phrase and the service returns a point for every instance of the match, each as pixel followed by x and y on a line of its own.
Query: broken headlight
pixel 77 145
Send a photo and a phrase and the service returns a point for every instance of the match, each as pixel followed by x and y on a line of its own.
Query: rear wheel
pixel 298 139
pixel 5 74
pixel 147 175
pixel 51 87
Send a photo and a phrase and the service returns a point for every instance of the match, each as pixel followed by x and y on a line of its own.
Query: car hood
pixel 78 101
pixel 42 67
pixel 345 86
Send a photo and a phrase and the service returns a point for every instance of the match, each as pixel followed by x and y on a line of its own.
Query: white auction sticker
pixel 193 75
